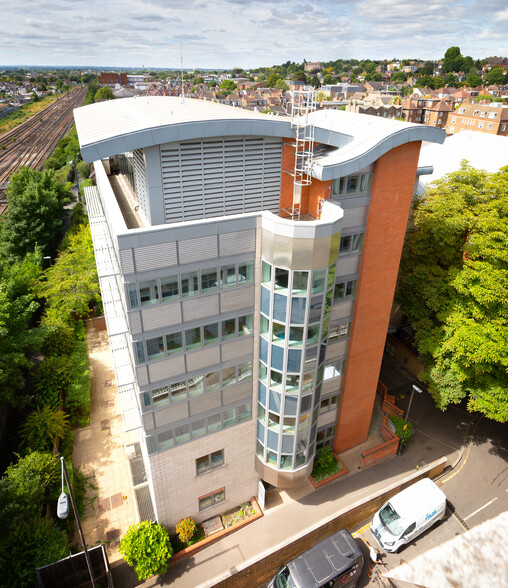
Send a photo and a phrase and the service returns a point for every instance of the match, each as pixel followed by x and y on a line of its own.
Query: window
pixel 339 332
pixel 333 369
pixel 489 127
pixel 228 328
pixel 351 244
pixel 211 333
pixel 193 338
pixel 480 125
pixel 190 284
pixel 169 288
pixel 174 343
pixel 140 351
pixel 148 292
pixel 344 290
pixel 281 278
pixel 245 272
pixel 325 437
pixel 245 325
pixel 209 280
pixel 209 462
pixel 454 120
pixel 154 348
pixel 132 292
pixel 352 184
pixel 209 500
pixel 328 404
pixel 503 128
pixel 228 275
pixel 492 114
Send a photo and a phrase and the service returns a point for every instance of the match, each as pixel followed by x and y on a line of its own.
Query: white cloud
pixel 247 33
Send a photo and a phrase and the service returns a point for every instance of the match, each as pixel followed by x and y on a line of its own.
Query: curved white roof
pixel 116 126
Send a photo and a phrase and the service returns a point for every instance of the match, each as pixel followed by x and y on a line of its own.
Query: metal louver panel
pixel 153 257
pixel 162 370
pixel 192 250
pixel 221 176
pixel 200 308
pixel 158 316
pixel 237 299
pixel 126 261
pixel 237 242
pixel 139 168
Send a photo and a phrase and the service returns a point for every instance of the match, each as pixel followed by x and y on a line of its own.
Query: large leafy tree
pixel 454 289
pixel 35 214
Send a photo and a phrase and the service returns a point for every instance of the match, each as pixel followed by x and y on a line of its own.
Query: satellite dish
pixel 62 507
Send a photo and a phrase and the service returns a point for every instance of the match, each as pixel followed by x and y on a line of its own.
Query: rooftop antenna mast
pixel 181 70
pixel 303 102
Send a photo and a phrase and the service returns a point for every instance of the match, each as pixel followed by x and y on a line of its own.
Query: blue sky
pixel 245 33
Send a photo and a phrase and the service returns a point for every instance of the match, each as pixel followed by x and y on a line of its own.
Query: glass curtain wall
pixel 295 314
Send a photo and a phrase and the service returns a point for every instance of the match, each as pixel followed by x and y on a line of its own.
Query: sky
pixel 245 33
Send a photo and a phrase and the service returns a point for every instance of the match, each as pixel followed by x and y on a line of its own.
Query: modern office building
pixel 247 324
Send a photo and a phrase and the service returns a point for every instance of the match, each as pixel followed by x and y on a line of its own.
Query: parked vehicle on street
pixel 408 514
pixel 334 561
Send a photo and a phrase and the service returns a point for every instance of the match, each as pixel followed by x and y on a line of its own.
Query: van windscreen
pixel 391 520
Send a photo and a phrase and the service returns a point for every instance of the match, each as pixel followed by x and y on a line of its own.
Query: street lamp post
pixel 63 510
pixel 413 389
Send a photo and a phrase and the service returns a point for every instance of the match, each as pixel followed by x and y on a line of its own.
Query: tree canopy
pixel 228 86
pixel 104 93
pixel 35 214
pixel 454 289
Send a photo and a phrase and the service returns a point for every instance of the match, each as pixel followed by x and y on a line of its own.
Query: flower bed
pixel 327 467
pixel 245 520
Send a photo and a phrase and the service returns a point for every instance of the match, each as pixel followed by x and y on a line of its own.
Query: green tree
pixel 281 85
pixel 454 287
pixel 104 93
pixel 42 427
pixel 228 86
pixel 71 284
pixel 495 76
pixel 271 80
pixel 35 213
pixel 427 69
pixel 451 80
pixel 399 76
pixel 299 76
pixel 147 548
pixel 473 80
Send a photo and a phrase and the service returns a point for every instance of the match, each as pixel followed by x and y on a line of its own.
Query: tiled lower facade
pixel 178 487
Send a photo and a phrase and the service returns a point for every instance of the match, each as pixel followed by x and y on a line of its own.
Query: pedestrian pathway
pixel 99 452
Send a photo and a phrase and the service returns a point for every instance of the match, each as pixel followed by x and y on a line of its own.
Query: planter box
pixel 190 551
pixel 343 472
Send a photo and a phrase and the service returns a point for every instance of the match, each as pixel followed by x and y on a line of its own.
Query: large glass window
pixel 295 336
pixel 298 308
pixel 333 369
pixel 148 292
pixel 132 291
pixel 212 381
pixel 279 307
pixel 245 371
pixel 312 334
pixel 318 281
pixel 196 386
pixel 228 276
pixel 155 348
pixel 193 338
pixel 140 351
pixel 174 342
pixel 266 273
pixel 228 376
pixel 339 332
pixel 190 284
pixel 351 244
pixel 209 281
pixel 352 184
pixel 265 301
pixel 344 290
pixel 178 391
pixel 278 332
pixel 245 325
pixel 211 333
pixel 209 500
pixel 300 280
pixel 228 328
pixel 281 278
pixel 169 288
pixel 245 272
pixel 182 434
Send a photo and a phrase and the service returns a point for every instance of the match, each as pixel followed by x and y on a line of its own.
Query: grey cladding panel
pixel 198 360
pixel 237 299
pixel 135 321
pixel 204 403
pixel 161 315
pixel 234 393
pixel 154 257
pixel 142 375
pixel 126 261
pixel 237 242
pixel 237 349
pixel 170 414
pixel 355 217
pixel 168 368
pixel 198 308
pixel 193 250
pixel 341 310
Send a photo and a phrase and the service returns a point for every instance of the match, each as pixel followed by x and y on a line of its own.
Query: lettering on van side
pixel 430 515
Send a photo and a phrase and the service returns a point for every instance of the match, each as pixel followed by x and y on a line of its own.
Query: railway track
pixel 32 142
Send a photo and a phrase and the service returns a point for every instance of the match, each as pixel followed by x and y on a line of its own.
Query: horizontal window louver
pixel 216 177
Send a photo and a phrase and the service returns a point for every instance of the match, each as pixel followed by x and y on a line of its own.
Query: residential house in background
pixel 484 118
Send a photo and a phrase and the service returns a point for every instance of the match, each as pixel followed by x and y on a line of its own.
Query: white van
pixel 408 514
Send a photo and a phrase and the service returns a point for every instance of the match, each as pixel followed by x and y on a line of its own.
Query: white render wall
pixel 177 487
